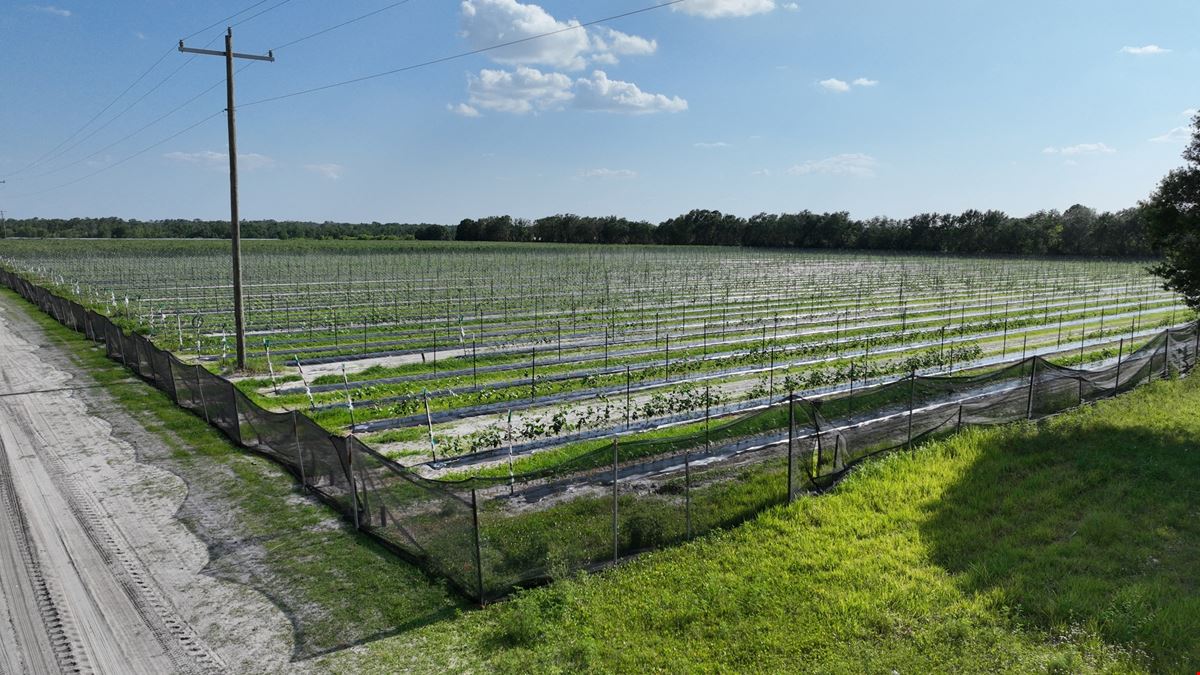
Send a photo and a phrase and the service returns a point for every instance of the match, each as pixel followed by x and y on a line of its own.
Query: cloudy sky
pixel 873 107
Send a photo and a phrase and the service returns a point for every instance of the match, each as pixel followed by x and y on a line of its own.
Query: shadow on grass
pixel 1091 522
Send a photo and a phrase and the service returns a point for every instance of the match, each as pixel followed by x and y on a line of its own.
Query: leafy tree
pixel 1172 217
pixel 432 233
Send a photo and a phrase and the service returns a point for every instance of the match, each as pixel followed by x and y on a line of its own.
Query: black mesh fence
pixel 499 530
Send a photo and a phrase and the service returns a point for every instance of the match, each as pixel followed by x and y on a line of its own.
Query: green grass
pixel 1069 546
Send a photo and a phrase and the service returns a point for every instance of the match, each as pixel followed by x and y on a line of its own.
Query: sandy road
pixel 96 575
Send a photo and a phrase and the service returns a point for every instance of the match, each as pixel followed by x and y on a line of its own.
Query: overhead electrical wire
pixel 460 55
pixel 193 98
pixel 54 152
pixel 340 25
pixel 142 128
pixel 139 153
pixel 224 21
pixel 85 125
pixel 342 83
pixel 114 118
pixel 258 14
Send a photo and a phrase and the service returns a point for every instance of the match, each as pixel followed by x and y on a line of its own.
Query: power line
pixel 223 21
pixel 415 66
pixel 114 118
pixel 193 98
pixel 255 16
pixel 142 128
pixel 85 125
pixel 461 55
pixel 126 90
pixel 124 159
pixel 341 25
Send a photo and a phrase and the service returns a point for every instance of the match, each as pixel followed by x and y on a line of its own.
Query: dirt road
pixel 96 574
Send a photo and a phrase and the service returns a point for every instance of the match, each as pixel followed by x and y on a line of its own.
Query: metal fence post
pixel 687 493
pixel 791 440
pixel 200 388
pixel 912 390
pixel 1032 375
pixel 816 420
pixel 362 482
pixel 1167 355
pixel 350 478
pixel 299 454
pixel 478 546
pixel 1120 356
pixel 616 541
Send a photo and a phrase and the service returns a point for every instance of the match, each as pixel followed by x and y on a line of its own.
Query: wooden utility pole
pixel 235 227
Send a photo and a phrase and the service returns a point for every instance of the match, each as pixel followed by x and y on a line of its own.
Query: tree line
pixel 1078 231
pixel 120 228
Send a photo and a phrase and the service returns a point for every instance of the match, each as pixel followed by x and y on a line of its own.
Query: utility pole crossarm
pixel 215 52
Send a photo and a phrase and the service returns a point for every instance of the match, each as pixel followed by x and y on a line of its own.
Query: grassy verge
pixel 1068 546
pixel 338 587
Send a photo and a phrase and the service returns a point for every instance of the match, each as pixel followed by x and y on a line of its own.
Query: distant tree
pixel 432 233
pixel 1172 217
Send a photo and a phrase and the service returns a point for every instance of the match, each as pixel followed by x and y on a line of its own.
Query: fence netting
pixel 501 529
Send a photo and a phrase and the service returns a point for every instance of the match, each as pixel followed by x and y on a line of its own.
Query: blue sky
pixel 876 108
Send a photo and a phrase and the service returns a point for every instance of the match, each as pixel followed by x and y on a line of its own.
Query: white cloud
pixel 849 164
pixel 139 35
pixel 522 91
pixel 712 146
pixel 601 94
pixel 211 159
pixel 488 22
pixel 51 9
pixel 462 110
pixel 616 42
pixel 528 90
pixel 718 9
pixel 1176 135
pixel 571 47
pixel 790 6
pixel 834 84
pixel 841 86
pixel 604 174
pixel 1190 112
pixel 1081 149
pixel 761 172
pixel 330 171
pixel 1148 50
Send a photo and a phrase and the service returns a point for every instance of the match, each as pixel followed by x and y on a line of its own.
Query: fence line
pixel 489 535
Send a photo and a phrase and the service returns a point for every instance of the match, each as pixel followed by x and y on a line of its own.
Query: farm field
pixel 1064 592
pixel 450 350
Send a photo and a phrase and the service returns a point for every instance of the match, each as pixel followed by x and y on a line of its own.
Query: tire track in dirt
pixel 59 637
pixel 100 608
